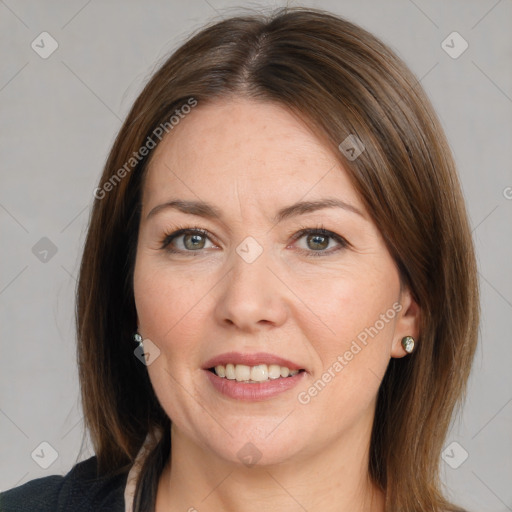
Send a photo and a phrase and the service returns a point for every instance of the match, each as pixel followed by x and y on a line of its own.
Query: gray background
pixel 59 119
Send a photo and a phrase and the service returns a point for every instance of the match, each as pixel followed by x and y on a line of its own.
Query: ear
pixel 407 324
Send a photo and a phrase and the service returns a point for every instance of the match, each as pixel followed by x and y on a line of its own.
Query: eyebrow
pixel 203 209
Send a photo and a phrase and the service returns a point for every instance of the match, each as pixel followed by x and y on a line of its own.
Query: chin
pixel 256 445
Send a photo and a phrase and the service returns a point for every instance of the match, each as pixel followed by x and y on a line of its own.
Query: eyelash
pixel 194 230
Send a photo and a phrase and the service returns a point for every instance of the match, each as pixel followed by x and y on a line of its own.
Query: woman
pixel 277 305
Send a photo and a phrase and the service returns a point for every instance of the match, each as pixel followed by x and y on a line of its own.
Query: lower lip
pixel 252 392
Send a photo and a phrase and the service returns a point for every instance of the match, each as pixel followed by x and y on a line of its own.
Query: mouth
pixel 252 377
pixel 252 367
pixel 253 383
pixel 253 374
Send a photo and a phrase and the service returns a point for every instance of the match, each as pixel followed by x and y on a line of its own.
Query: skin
pixel 250 159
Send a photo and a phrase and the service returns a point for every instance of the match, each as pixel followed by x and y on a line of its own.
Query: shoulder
pixel 80 490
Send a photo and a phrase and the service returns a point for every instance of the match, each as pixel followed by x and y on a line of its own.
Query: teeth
pixel 252 374
pixel 242 372
pixel 259 373
pixel 230 371
pixel 274 371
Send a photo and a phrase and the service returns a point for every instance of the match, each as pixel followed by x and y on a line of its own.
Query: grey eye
pixel 317 242
pixel 194 241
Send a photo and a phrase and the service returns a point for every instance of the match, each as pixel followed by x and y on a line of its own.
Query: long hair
pixel 344 82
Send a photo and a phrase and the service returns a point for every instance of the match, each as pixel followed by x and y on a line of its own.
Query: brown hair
pixel 342 81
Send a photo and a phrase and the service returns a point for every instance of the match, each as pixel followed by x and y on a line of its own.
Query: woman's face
pixel 252 281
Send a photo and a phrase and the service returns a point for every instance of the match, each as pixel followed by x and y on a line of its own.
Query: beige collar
pixel 151 439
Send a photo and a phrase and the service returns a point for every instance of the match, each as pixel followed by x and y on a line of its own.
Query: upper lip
pixel 252 359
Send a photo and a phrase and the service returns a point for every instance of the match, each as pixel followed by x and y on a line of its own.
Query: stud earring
pixel 408 344
pixel 138 338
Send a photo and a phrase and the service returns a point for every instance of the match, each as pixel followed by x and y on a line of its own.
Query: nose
pixel 252 296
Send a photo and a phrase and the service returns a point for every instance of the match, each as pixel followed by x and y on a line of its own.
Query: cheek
pixel 353 343
pixel 168 308
pixel 165 300
pixel 355 304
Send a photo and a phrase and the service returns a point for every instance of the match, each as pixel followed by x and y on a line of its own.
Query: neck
pixel 196 479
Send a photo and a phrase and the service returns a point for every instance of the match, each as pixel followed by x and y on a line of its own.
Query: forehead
pixel 246 148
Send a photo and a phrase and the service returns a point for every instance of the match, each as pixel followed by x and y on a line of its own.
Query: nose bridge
pixel 250 267
pixel 250 275
pixel 251 293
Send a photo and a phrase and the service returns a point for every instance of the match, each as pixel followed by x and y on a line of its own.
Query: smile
pixel 253 374
pixel 250 390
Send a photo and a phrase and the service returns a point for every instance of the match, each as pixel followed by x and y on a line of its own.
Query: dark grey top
pixel 81 490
